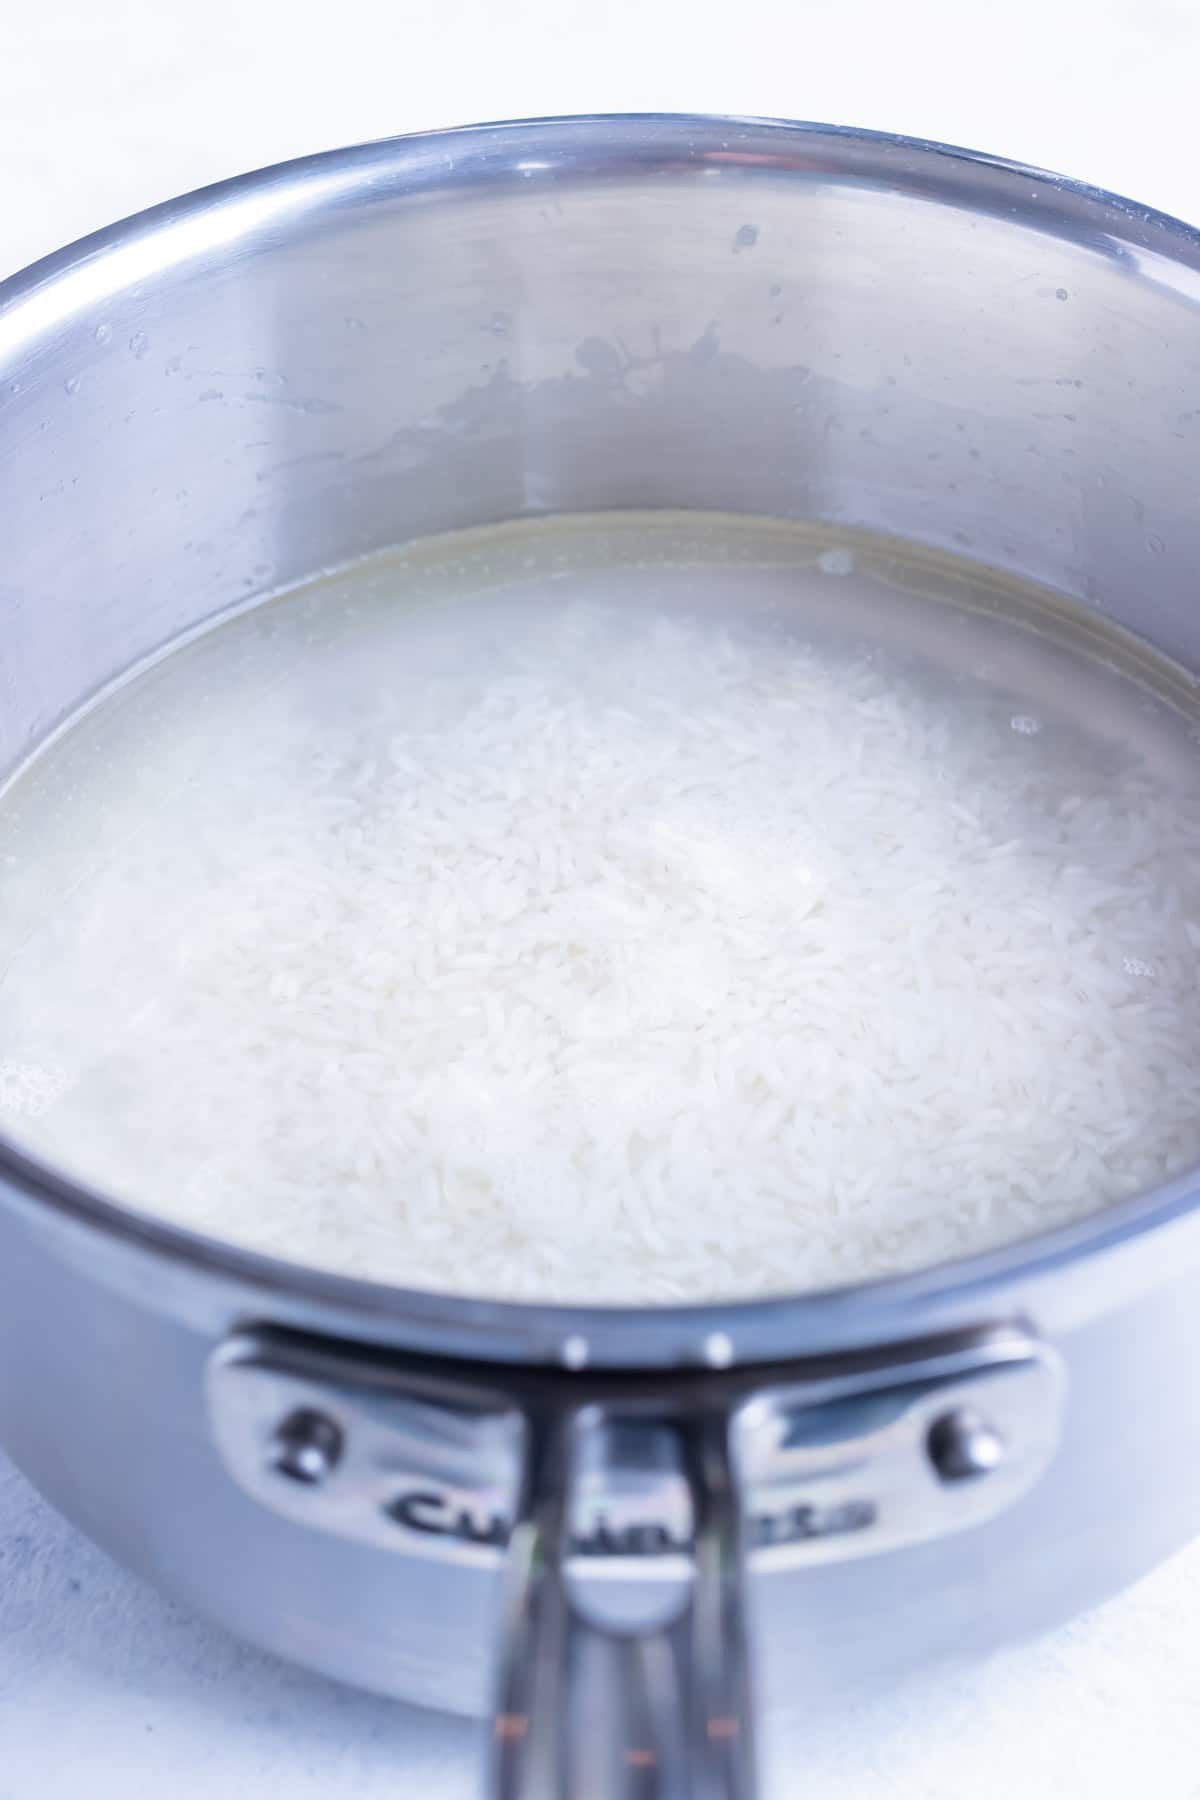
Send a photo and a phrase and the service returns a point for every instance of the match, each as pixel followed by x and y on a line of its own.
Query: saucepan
pixel 619 1531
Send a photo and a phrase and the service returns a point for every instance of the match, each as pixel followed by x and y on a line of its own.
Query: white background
pixel 109 105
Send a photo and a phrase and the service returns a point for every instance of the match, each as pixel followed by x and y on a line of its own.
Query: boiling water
pixel 639 907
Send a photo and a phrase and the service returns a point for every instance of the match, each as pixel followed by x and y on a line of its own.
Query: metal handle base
pixel 623 1507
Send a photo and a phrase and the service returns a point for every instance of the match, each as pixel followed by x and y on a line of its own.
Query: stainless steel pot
pixel 239 388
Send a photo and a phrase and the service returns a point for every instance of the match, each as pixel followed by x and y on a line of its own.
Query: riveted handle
pixel 598 1692
pixel 617 1511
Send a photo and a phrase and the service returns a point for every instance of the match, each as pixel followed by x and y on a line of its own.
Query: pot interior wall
pixel 222 398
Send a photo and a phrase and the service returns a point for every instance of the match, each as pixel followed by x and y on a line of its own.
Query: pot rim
pixel 210 219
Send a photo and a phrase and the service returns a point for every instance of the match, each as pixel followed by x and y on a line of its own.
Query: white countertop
pixel 108 1690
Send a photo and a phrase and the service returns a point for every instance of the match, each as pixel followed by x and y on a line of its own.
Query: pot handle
pixel 642 1701
pixel 624 1506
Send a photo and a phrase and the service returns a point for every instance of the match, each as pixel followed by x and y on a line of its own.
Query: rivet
pixel 307 1446
pixel 963 1446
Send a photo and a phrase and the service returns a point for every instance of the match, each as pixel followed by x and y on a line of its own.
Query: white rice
pixel 646 956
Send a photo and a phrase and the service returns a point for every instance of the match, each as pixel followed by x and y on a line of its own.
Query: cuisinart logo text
pixel 434 1514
